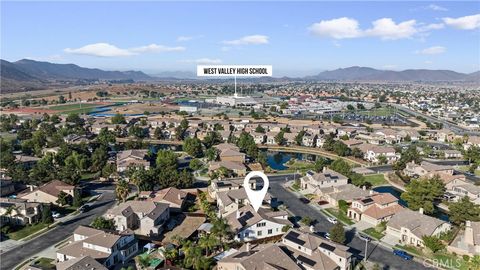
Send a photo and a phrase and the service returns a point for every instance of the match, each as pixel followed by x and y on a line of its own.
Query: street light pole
pixel 366 250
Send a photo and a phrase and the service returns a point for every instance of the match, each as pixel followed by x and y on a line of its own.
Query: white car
pixel 364 237
pixel 332 220
pixel 55 215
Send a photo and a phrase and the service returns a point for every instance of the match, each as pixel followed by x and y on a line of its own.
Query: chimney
pixel 238 214
pixel 420 210
pixel 179 196
pixel 364 187
pixel 468 233
pixel 248 246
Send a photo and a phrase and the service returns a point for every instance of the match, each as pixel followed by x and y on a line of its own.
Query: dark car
pixel 322 202
pixel 304 200
pixel 84 208
pixel 402 254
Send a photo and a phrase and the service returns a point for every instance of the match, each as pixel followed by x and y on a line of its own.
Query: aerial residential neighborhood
pixel 202 135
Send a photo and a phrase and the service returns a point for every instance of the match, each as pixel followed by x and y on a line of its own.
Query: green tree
pixel 341 166
pixel 299 137
pixel 47 217
pixel 463 210
pixel 166 160
pixel 77 198
pixel 262 158
pixel 433 243
pixel 320 163
pixel 212 139
pixel 102 223
pixel 208 242
pixel 118 119
pixel 193 146
pixel 337 233
pixel 246 143
pixel 99 159
pixel 195 164
pixel 122 190
pixel 307 221
pixel 279 138
pixel 422 193
pixel 260 129
pixel 343 206
pixel 211 154
pixel 63 198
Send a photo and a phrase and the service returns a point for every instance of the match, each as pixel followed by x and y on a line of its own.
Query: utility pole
pixel 366 250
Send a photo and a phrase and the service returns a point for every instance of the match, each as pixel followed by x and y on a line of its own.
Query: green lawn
pixel 26 231
pixel 465 169
pixel 376 179
pixel 44 263
pixel 410 249
pixel 374 233
pixel 339 216
pixel 299 165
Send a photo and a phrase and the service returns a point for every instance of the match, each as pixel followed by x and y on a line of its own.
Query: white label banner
pixel 234 70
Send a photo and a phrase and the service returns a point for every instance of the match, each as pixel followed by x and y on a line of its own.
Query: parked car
pixel 402 254
pixel 55 215
pixel 304 200
pixel 332 220
pixel 322 202
pixel 364 237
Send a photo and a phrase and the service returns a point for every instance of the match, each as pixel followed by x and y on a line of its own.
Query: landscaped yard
pixel 339 216
pixel 44 263
pixel 465 169
pixel 300 166
pixel 438 260
pixel 372 232
pixel 26 231
pixel 376 179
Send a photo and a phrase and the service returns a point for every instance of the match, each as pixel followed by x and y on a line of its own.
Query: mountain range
pixel 25 74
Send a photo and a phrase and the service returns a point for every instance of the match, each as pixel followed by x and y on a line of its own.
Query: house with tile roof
pixel 374 209
pixel 174 197
pixel 231 200
pixel 143 217
pixel 48 193
pixel 107 248
pixel 314 181
pixel 250 225
pixel 313 252
pixel 81 263
pixel 408 227
pixel 133 157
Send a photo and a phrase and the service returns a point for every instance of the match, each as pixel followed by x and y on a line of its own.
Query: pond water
pixel 278 160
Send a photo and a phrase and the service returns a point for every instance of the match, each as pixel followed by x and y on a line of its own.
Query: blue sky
pixel 296 38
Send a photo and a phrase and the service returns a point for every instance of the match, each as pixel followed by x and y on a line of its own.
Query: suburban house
pixel 271 138
pixel 416 170
pixel 236 167
pixel 19 211
pixel 258 137
pixel 230 152
pixel 410 226
pixel 217 186
pixel 250 225
pixel 26 161
pixel 134 157
pixel 48 193
pixel 313 181
pixel 472 141
pixel 107 248
pixel 468 241
pixel 373 153
pixel 80 263
pixel 313 252
pixel 263 256
pixel 174 197
pixel 460 188
pixel 375 208
pixel 309 140
pixel 452 154
pixel 231 200
pixel 143 217
pixel 346 193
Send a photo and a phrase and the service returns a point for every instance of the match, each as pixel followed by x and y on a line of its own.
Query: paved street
pixel 15 256
pixel 376 253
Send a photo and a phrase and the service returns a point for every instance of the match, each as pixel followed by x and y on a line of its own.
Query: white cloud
pixel 188 38
pixel 465 23
pixel 248 40
pixel 109 50
pixel 436 7
pixel 433 50
pixel 157 48
pixel 207 61
pixel 100 49
pixel 384 28
pixel 387 29
pixel 337 28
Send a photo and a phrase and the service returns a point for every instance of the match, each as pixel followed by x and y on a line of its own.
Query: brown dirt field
pixel 31 111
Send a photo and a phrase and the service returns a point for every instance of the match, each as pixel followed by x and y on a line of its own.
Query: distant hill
pixel 28 74
pixel 371 74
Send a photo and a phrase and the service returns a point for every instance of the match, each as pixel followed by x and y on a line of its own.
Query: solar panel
pixel 306 260
pixel 327 246
pixel 293 236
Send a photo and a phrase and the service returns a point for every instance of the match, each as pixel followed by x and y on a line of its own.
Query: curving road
pixel 11 258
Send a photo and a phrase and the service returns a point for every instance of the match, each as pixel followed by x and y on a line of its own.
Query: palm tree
pixel 208 242
pixel 171 254
pixel 143 261
pixel 122 190
pixel 474 262
pixel 220 229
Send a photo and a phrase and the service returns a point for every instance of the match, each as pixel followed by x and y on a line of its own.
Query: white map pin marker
pixel 256 196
